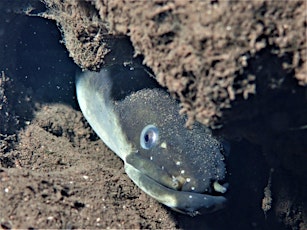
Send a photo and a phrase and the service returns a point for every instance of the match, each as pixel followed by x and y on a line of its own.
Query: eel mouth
pixel 190 203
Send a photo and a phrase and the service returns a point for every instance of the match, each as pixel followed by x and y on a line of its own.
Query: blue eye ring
pixel 149 137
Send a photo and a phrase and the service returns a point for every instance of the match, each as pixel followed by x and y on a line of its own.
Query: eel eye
pixel 149 137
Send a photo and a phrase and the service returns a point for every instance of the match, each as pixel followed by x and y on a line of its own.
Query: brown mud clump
pixel 204 52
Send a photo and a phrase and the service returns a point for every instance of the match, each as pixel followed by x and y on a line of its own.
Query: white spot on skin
pixel 163 145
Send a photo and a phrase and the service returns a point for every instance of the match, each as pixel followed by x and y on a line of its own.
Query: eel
pixel 138 120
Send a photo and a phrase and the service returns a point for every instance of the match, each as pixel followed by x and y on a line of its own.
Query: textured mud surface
pixel 240 64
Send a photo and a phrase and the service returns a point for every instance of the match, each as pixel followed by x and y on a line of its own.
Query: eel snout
pixel 185 202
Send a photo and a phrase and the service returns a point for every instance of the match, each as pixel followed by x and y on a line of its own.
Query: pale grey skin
pixel 182 168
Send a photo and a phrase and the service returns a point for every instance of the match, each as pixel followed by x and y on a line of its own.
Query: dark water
pixel 32 54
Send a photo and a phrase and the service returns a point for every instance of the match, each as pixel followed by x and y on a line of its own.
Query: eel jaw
pixel 185 202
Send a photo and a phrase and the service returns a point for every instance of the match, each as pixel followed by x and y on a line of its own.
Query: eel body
pixel 139 121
